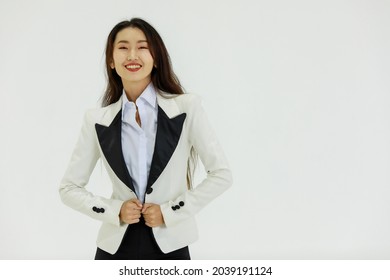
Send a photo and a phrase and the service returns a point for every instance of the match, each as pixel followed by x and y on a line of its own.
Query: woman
pixel 147 134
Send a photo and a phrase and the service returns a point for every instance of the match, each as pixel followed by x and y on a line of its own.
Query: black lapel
pixel 167 136
pixel 111 145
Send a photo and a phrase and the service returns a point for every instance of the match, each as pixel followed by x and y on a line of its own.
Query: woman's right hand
pixel 131 211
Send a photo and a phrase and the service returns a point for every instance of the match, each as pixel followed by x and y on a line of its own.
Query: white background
pixel 297 91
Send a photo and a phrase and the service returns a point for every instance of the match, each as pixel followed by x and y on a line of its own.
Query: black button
pixel 98 210
pixel 173 208
pixel 177 207
pixel 181 203
pixel 149 191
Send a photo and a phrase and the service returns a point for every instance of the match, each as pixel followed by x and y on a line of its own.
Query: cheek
pixel 149 59
pixel 117 58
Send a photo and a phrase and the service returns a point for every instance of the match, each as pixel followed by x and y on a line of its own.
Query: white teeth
pixel 133 66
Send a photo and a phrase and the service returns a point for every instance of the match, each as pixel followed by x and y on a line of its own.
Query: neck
pixel 134 89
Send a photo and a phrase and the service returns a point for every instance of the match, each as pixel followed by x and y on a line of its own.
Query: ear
pixel 112 65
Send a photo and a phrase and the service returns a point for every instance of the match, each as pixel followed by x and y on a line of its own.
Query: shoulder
pixel 188 99
pixel 185 102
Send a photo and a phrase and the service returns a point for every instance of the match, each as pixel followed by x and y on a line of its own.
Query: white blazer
pixel 181 124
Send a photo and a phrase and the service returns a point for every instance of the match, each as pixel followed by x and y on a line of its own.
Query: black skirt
pixel 139 244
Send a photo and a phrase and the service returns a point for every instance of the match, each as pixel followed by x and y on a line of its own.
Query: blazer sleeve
pixel 219 177
pixel 72 187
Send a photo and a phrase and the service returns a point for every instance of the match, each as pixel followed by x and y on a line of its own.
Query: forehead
pixel 130 34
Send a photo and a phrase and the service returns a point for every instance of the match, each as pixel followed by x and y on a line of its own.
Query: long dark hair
pixel 163 77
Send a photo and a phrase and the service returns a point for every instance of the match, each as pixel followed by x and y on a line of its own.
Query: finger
pixel 136 202
pixel 132 212
pixel 129 217
pixel 148 219
pixel 146 207
pixel 133 206
pixel 133 221
pixel 134 216
pixel 134 209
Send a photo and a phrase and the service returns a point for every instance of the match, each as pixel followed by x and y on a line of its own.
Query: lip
pixel 133 69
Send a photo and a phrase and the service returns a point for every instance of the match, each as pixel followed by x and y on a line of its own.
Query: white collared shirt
pixel 138 142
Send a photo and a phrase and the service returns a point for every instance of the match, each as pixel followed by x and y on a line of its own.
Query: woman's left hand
pixel 152 215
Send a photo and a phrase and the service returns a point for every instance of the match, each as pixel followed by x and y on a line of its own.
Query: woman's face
pixel 132 59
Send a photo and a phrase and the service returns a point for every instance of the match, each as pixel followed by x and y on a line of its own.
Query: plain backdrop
pixel 297 91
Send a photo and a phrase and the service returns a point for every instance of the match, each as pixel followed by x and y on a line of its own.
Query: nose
pixel 132 55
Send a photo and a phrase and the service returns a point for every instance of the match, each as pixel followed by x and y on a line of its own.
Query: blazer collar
pixel 168 104
pixel 169 127
pixel 110 112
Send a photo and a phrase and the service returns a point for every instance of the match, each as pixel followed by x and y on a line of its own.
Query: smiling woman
pixel 148 135
pixel 132 60
pixel 162 74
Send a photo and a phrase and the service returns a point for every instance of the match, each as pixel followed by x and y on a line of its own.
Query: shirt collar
pixel 149 95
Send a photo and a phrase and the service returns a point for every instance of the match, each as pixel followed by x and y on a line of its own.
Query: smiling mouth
pixel 133 67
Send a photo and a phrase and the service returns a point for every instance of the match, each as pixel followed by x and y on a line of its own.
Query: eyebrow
pixel 127 42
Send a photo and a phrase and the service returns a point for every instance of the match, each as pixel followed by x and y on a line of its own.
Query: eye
pixel 122 48
pixel 143 47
